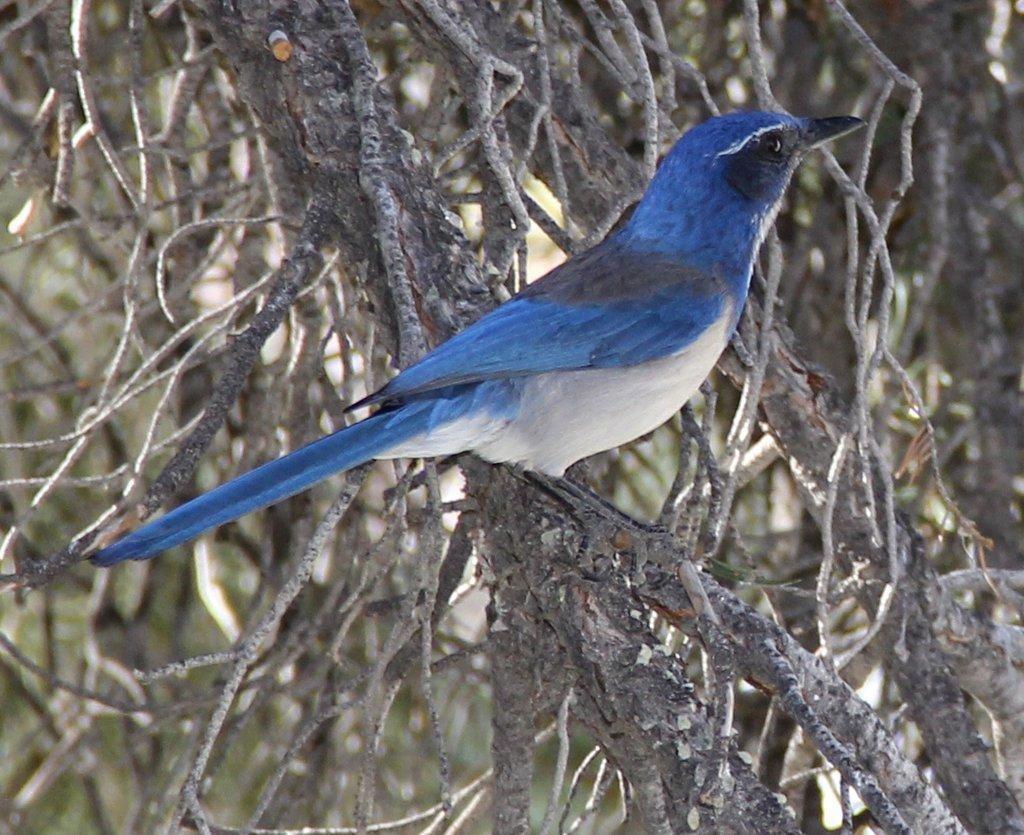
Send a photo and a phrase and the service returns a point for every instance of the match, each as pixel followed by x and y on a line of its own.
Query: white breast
pixel 567 415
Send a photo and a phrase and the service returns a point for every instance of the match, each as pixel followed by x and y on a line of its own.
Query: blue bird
pixel 598 352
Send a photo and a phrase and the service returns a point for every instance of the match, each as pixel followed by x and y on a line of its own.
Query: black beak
pixel 817 131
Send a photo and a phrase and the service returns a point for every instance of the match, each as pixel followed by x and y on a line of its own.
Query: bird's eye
pixel 773 145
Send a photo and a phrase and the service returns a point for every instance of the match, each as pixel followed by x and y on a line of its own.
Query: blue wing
pixel 611 306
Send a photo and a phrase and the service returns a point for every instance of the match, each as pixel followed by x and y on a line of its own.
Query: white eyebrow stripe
pixel 738 146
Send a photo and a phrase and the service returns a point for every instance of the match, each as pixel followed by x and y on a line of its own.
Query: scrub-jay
pixel 599 351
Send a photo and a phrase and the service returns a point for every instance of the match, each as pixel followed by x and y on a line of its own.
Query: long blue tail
pixel 270 483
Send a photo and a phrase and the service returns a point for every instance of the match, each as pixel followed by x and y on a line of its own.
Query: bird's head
pixel 716 192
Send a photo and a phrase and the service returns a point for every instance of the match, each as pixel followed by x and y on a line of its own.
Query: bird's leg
pixel 583 501
pixel 647 542
pixel 543 483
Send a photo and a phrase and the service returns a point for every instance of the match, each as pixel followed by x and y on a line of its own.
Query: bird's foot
pixel 649 542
